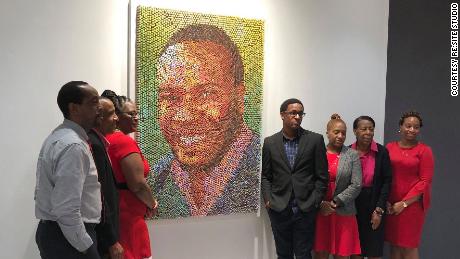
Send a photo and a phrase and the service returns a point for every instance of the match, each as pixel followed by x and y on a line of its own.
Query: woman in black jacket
pixel 376 177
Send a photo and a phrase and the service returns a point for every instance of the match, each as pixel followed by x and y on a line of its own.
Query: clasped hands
pixel 326 208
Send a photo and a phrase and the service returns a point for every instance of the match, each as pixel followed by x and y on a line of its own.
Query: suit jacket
pixel 108 229
pixel 308 178
pixel 241 193
pixel 381 183
pixel 348 181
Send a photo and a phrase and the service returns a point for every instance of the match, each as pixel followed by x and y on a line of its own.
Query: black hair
pixel 117 100
pixel 71 92
pixel 205 32
pixel 408 114
pixel 363 118
pixel 286 103
pixel 334 118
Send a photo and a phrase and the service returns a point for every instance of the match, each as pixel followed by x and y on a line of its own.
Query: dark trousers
pixel 53 245
pixel 294 232
pixel 371 240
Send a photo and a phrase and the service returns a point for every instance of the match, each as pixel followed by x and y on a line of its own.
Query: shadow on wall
pixel 31 250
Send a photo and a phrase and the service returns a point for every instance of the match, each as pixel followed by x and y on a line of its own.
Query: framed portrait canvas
pixel 198 86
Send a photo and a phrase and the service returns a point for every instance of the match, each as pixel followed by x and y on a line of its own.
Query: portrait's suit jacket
pixel 348 181
pixel 308 178
pixel 241 193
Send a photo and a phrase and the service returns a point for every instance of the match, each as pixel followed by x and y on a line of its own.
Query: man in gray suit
pixel 294 181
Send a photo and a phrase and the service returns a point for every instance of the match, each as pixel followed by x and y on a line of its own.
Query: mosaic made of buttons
pixel 199 94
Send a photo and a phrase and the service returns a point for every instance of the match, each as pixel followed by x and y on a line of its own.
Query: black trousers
pixel 371 240
pixel 53 245
pixel 294 232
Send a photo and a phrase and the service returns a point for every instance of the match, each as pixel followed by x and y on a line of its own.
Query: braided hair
pixel 408 114
pixel 117 100
pixel 334 119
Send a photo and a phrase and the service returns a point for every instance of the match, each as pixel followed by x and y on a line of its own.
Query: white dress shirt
pixel 67 190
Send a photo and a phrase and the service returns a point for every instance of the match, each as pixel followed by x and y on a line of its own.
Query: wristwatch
pixel 379 211
pixel 404 204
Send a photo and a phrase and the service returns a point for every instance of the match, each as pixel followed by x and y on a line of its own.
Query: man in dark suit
pixel 107 230
pixel 294 181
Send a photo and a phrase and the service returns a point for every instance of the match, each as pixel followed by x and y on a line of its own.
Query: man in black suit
pixel 294 181
pixel 107 230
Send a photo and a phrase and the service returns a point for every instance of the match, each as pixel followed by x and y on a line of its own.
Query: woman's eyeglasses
pixel 131 114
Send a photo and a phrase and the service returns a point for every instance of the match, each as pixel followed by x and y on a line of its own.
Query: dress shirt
pixel 217 180
pixel 291 146
pixel 67 189
pixel 368 163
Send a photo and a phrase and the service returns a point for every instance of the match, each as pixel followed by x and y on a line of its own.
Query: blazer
pixel 107 230
pixel 381 183
pixel 348 181
pixel 241 193
pixel 308 179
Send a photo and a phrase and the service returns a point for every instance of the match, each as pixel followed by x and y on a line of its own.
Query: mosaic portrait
pixel 199 92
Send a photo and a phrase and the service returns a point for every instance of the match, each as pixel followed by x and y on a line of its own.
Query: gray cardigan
pixel 348 181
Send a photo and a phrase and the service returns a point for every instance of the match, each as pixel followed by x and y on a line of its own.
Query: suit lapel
pixel 303 134
pixel 280 144
pixel 378 160
pixel 342 163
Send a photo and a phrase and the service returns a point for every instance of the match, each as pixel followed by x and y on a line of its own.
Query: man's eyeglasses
pixel 293 114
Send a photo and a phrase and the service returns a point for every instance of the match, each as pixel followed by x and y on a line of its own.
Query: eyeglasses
pixel 293 114
pixel 131 114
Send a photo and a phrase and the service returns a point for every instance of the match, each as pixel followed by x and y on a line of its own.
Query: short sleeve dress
pixel 134 235
pixel 412 175
pixel 336 234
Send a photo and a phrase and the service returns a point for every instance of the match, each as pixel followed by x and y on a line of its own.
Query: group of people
pixel 92 197
pixel 345 201
pixel 91 194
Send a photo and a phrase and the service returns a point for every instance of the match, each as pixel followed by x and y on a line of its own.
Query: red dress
pixel 336 234
pixel 134 235
pixel 412 175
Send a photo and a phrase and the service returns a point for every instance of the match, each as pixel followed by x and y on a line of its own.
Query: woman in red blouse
pixel 130 169
pixel 412 163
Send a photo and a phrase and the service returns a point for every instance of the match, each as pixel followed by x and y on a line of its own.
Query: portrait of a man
pixel 211 164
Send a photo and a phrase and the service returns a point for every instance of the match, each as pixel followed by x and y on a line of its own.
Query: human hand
pixel 116 251
pixel 327 208
pixel 267 204
pixel 334 204
pixel 398 207
pixel 152 211
pixel 376 219
pixel 389 208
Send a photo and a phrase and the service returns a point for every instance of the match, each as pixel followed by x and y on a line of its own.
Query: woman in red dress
pixel 412 163
pixel 130 169
pixel 336 226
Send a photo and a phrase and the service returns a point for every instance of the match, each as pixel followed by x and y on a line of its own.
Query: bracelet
pixel 380 214
pixel 379 211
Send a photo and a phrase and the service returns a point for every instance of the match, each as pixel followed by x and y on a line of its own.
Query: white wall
pixel 44 44
pixel 328 53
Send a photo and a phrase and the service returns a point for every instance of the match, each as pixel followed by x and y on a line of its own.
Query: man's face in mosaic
pixel 200 107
